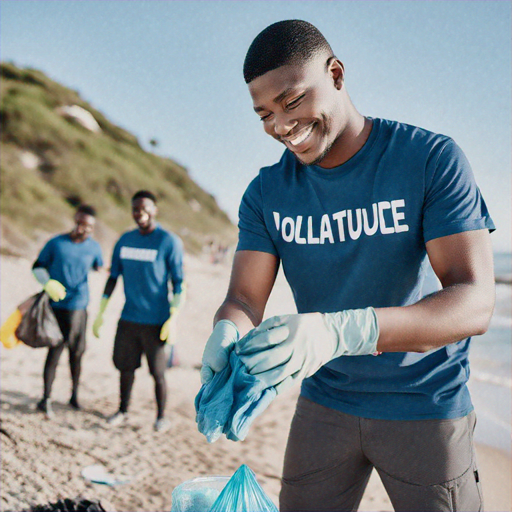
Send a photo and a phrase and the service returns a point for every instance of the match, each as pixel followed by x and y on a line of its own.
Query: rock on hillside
pixel 56 151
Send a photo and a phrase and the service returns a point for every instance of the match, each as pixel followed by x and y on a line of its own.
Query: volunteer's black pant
pixel 132 340
pixel 73 324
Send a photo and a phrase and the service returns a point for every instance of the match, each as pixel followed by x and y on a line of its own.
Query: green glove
pixel 166 328
pixel 286 349
pixel 176 302
pixel 55 290
pixel 98 322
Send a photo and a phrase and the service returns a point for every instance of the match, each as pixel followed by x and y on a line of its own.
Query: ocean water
pixel 490 382
pixel 503 263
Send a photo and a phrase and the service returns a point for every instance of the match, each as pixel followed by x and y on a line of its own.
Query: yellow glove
pixel 98 322
pixel 166 328
pixel 55 290
pixel 176 302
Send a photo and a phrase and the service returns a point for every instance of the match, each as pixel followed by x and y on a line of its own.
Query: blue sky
pixel 172 70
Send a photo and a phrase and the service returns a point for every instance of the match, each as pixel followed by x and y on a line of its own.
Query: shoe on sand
pixel 73 402
pixel 45 406
pixel 162 425
pixel 117 419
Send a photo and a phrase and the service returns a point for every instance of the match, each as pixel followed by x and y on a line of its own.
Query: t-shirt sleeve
pixel 453 203
pixel 45 257
pixel 116 269
pixel 175 263
pixel 253 234
pixel 98 258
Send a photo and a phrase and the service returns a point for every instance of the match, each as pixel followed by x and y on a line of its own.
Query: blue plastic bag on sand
pixel 197 495
pixel 243 494
pixel 230 402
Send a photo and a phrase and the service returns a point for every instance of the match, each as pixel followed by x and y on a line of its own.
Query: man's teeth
pixel 301 137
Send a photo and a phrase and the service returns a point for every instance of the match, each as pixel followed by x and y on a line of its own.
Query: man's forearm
pixel 41 274
pixel 450 315
pixel 109 287
pixel 240 313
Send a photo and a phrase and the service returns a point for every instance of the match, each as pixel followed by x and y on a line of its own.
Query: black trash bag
pixel 69 505
pixel 38 326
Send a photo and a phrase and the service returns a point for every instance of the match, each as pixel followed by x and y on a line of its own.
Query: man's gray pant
pixel 425 465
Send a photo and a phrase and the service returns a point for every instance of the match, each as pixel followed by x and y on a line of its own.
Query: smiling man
pixel 62 267
pixel 353 210
pixel 149 259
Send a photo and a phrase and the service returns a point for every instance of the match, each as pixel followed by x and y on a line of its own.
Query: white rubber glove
pixel 218 347
pixel 286 349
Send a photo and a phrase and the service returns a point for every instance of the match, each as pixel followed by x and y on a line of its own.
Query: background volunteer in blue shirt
pixel 147 258
pixel 62 268
pixel 353 210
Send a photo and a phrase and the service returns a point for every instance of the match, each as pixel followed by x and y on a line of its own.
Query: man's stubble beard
pixel 325 132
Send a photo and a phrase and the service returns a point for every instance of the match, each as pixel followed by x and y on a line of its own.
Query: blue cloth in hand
pixel 231 401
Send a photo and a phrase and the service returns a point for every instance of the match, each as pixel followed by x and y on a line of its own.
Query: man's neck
pixel 75 238
pixel 351 140
pixel 148 230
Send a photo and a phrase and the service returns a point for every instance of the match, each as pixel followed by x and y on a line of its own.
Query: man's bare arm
pixel 464 264
pixel 252 278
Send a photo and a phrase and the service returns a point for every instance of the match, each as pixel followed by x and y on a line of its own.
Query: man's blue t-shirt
pixel 147 263
pixel 69 263
pixel 354 236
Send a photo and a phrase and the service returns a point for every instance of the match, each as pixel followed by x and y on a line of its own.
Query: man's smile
pixel 298 138
pixel 143 219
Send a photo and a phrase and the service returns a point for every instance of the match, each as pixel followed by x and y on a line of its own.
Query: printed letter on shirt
pixel 325 230
pixel 354 233
pixel 385 230
pixel 367 229
pixel 299 239
pixel 136 254
pixel 288 236
pixel 338 217
pixel 312 239
pixel 398 216
pixel 276 220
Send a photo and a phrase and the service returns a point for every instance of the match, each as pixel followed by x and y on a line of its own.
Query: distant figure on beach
pixel 352 210
pixel 147 258
pixel 62 267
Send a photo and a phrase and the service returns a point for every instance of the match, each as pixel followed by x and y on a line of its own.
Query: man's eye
pixel 264 118
pixel 295 103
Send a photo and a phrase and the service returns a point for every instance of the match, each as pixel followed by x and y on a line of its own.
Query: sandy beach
pixel 42 460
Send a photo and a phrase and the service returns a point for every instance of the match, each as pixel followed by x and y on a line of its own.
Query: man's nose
pixel 283 124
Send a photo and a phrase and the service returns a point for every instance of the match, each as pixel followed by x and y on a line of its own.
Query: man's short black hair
pixel 86 209
pixel 284 42
pixel 144 194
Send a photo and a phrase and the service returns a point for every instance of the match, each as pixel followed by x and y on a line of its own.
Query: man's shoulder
pixel 273 174
pixel 57 240
pixel 94 244
pixel 127 235
pixel 286 163
pixel 61 237
pixel 413 134
pixel 168 237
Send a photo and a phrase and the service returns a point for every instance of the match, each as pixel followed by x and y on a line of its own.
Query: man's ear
pixel 336 71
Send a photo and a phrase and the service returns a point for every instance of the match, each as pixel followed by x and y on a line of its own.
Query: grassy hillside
pixel 50 163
